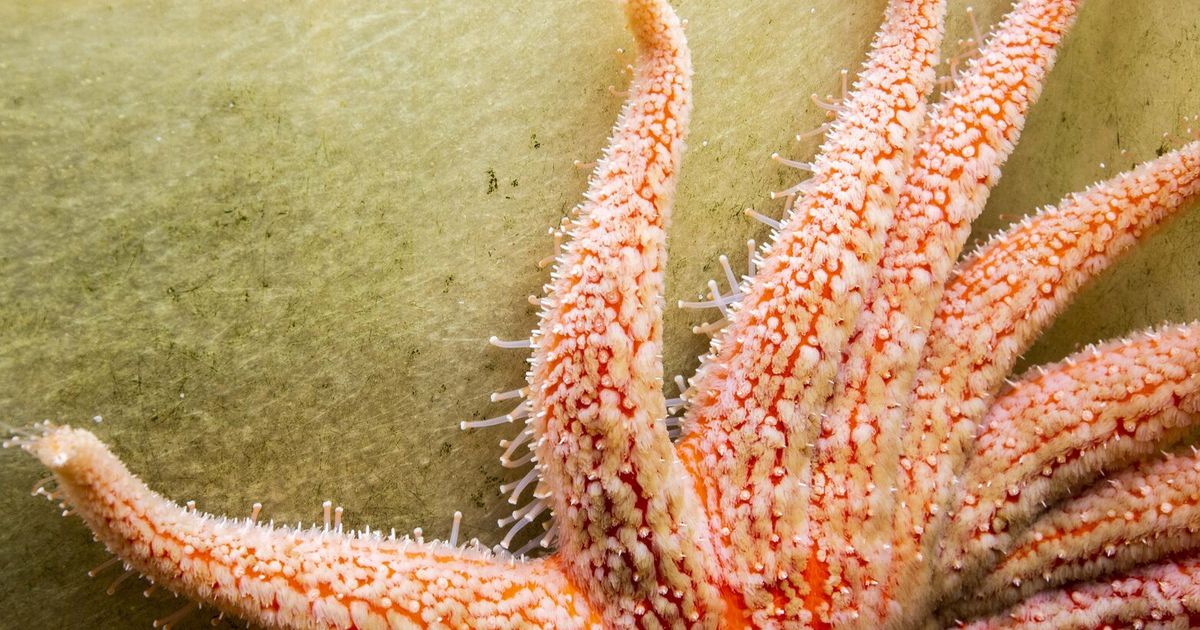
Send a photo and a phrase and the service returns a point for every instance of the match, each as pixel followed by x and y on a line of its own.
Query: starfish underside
pixel 853 454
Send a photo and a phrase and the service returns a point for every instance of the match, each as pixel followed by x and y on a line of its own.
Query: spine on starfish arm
pixel 756 398
pixel 1164 595
pixel 1065 425
pixel 630 527
pixel 294 578
pixel 970 135
pixel 1007 292
pixel 1141 516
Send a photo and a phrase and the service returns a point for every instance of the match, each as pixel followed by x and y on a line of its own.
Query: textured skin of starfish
pixel 999 300
pixel 1011 289
pixel 967 139
pixel 755 398
pixel 633 533
pixel 851 456
pixel 1141 516
pixel 1110 405
pixel 300 578
pixel 1165 595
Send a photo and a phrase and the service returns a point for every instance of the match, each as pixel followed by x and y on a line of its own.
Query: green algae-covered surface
pixel 266 242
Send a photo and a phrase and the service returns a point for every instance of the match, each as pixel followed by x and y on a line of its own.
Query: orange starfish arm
pixel 1007 292
pixel 1141 516
pixel 1064 426
pixel 969 136
pixel 294 578
pixel 755 398
pixel 630 530
pixel 1010 289
pixel 1166 595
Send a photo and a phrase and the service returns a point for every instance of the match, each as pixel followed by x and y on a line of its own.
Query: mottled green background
pixel 266 241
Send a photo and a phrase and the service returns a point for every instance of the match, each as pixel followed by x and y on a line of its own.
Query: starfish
pixel 852 453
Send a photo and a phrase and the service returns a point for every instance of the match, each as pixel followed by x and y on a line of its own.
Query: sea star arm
pixel 1064 426
pixel 1140 516
pixel 755 399
pixel 630 529
pixel 294 578
pixel 969 136
pixel 1166 595
pixel 631 534
pixel 1008 291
